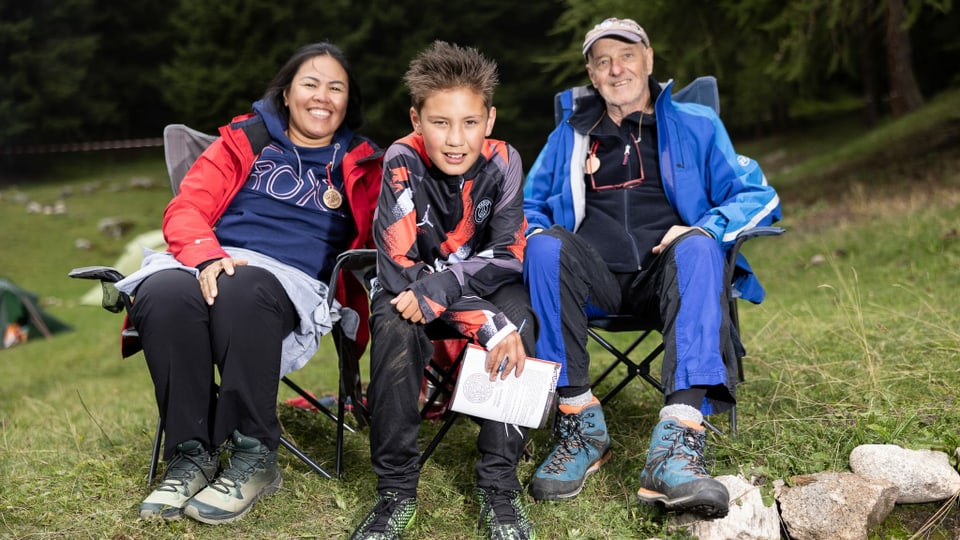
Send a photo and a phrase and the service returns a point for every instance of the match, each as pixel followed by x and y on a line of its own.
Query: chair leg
pixel 303 457
pixel 313 401
pixel 447 424
pixel 155 456
pixel 341 414
pixel 733 421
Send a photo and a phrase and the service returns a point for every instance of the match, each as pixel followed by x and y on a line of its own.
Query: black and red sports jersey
pixel 452 240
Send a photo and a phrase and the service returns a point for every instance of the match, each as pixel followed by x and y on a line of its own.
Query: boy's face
pixel 454 124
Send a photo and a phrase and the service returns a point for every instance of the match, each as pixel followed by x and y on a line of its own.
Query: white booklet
pixel 525 400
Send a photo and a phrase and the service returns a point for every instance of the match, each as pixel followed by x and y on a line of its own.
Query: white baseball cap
pixel 626 29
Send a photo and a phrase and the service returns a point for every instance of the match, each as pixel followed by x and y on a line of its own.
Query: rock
pixel 920 475
pixel 748 519
pixel 834 505
pixel 114 227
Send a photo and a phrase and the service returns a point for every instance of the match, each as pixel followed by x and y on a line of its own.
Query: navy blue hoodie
pixel 280 211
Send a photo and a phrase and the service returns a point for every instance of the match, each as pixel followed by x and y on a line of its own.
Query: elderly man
pixel 631 205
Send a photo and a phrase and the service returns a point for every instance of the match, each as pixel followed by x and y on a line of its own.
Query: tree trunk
pixel 905 94
pixel 869 69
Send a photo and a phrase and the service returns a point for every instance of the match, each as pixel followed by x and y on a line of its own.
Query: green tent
pixel 21 318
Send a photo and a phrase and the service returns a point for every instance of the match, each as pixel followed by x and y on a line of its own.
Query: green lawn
pixel 856 343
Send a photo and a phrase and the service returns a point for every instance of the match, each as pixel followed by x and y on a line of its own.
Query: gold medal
pixel 332 198
pixel 592 164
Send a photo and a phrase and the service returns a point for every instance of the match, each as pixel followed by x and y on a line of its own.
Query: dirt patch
pixel 873 192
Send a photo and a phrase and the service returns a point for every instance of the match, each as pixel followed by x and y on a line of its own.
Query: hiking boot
pixel 251 473
pixel 675 476
pixel 190 470
pixel 582 447
pixel 503 514
pixel 391 515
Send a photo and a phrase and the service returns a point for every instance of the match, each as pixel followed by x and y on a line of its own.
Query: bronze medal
pixel 592 164
pixel 332 198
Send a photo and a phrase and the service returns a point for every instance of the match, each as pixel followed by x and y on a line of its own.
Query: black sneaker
pixel 252 473
pixel 190 470
pixel 502 512
pixel 391 515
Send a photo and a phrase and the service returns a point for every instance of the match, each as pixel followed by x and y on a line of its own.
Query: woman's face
pixel 317 101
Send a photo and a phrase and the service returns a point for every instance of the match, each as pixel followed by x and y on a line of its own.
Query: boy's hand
pixel 509 354
pixel 408 306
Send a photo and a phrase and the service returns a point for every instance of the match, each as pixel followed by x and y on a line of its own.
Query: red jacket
pixel 220 172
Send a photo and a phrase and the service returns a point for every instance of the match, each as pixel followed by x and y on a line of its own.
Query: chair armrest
pixel 103 273
pixel 747 234
pixel 731 262
pixel 358 261
pixel 113 300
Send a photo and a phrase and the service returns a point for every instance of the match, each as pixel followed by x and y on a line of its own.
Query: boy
pixel 450 240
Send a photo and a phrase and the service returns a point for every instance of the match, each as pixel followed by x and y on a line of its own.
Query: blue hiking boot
pixel 675 476
pixel 582 447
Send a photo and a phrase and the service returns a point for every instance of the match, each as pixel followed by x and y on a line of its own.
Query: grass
pixel 856 343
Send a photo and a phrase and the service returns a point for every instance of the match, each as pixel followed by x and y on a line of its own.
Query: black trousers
pixel 240 335
pixel 399 353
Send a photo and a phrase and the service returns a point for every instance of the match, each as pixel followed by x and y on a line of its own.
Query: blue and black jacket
pixel 705 180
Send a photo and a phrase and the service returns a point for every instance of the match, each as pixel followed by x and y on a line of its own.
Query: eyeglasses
pixel 593 159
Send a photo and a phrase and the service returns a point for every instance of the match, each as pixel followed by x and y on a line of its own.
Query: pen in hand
pixel 503 363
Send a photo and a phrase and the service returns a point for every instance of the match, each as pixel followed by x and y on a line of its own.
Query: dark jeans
pixel 399 353
pixel 240 335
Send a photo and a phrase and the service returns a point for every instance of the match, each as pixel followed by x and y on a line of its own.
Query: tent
pixel 21 318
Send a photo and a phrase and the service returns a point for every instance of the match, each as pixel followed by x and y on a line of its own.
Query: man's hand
pixel 509 354
pixel 408 306
pixel 208 276
pixel 675 232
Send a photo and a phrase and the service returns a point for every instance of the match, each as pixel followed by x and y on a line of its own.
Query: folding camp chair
pixel 702 90
pixel 182 145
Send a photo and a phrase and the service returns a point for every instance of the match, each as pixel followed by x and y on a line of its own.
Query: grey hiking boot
pixel 391 514
pixel 503 514
pixel 582 447
pixel 251 473
pixel 675 476
pixel 190 470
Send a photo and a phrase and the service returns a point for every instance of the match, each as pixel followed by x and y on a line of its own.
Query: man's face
pixel 454 124
pixel 619 71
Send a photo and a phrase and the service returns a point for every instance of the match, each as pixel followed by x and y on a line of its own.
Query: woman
pixel 253 236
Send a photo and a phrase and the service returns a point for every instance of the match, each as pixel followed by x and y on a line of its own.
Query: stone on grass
pixel 748 519
pixel 921 475
pixel 834 505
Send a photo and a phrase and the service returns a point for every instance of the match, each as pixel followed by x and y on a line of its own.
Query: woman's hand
pixel 208 276
pixel 508 355
pixel 408 307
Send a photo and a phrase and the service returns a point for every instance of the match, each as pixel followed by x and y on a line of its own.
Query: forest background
pixel 91 70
